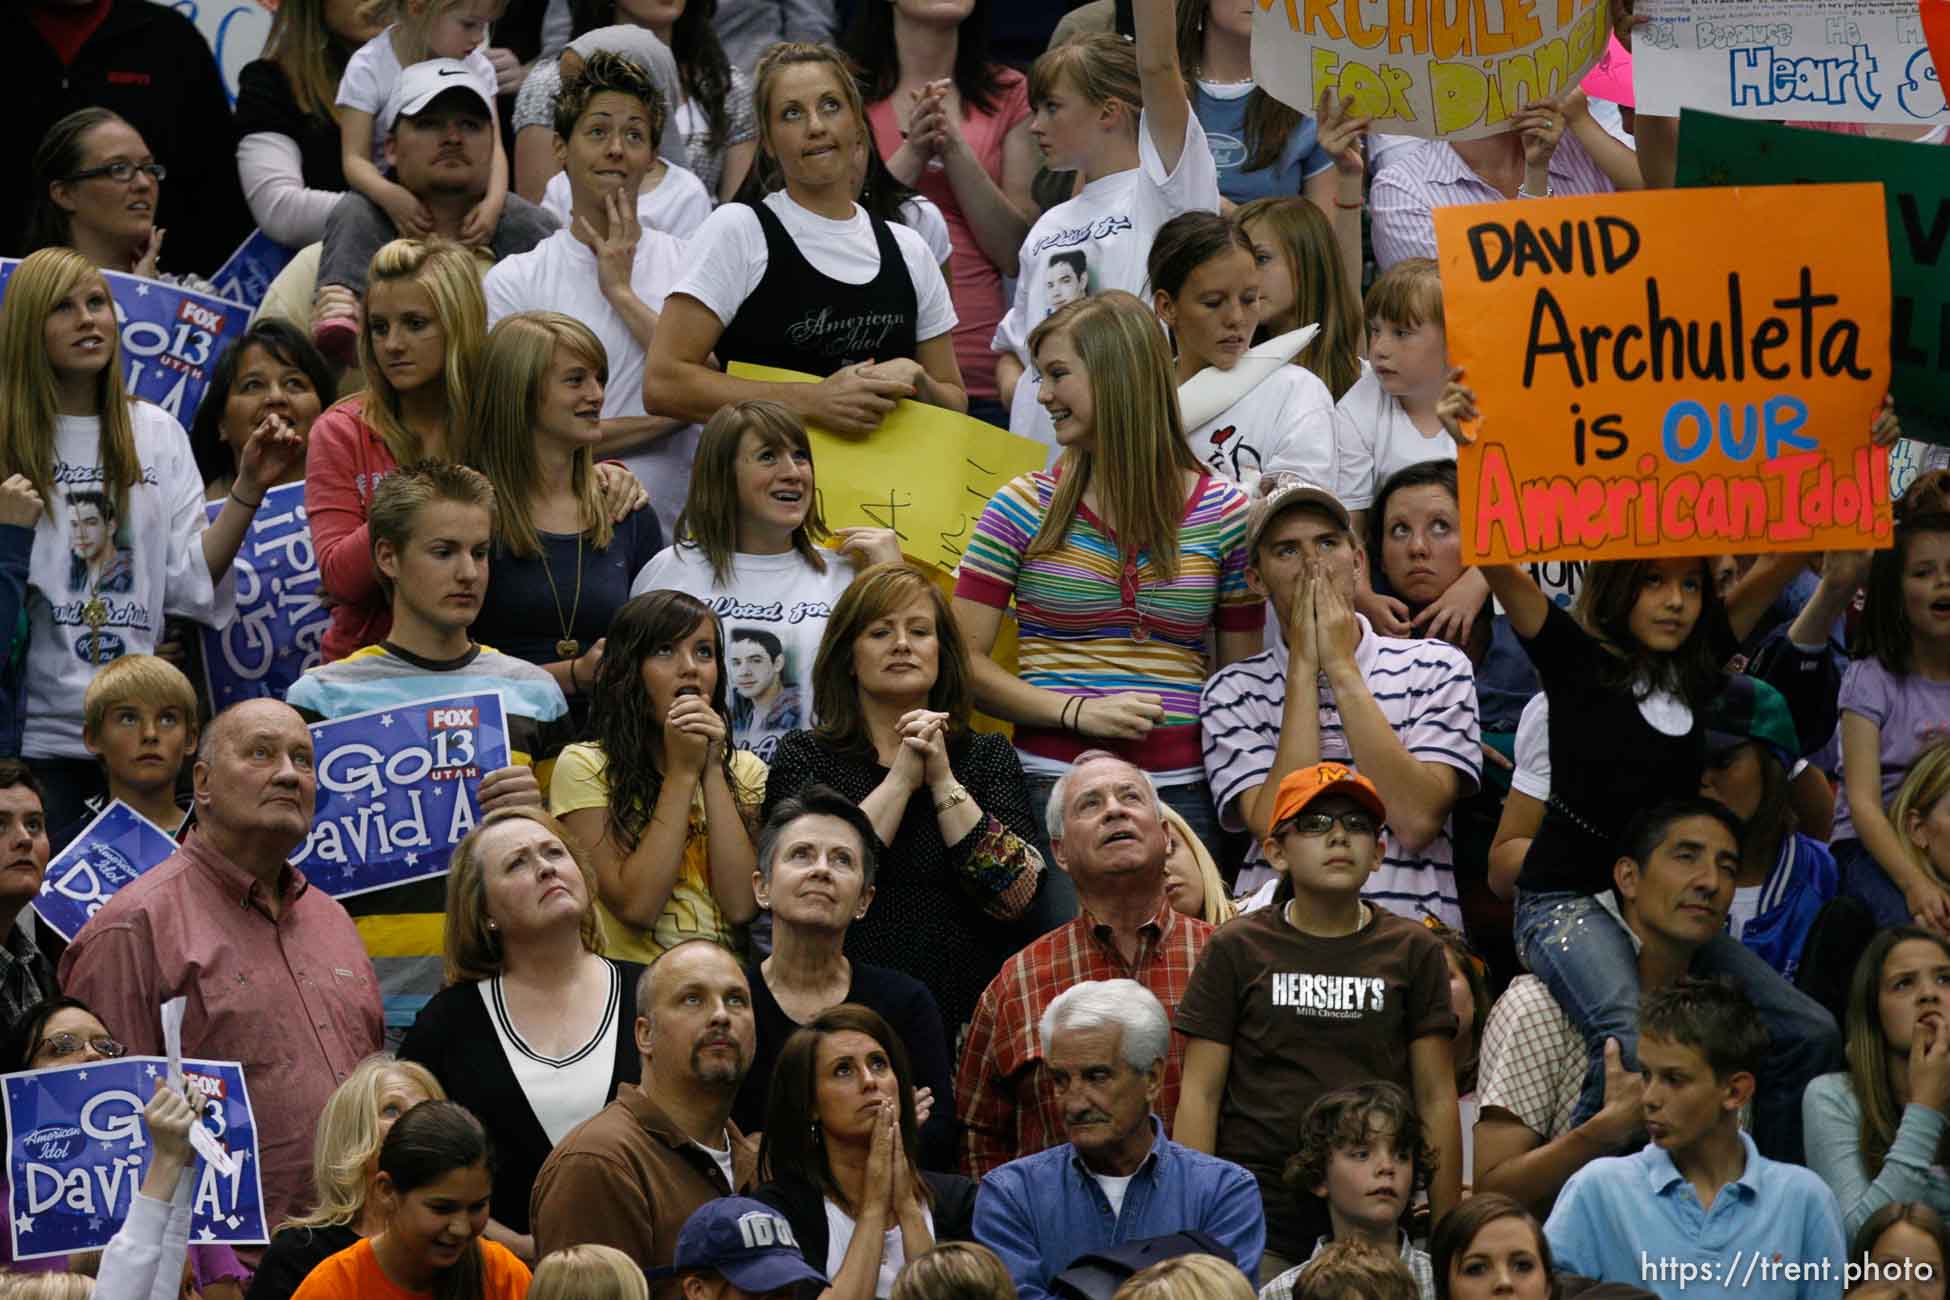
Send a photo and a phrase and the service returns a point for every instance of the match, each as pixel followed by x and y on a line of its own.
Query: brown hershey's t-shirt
pixel 1304 1016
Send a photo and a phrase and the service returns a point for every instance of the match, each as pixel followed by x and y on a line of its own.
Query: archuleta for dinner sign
pixel 1445 69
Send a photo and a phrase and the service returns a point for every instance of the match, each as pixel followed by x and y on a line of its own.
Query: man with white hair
pixel 1107 833
pixel 1118 1178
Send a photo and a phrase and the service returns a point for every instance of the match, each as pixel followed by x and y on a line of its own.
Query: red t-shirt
pixel 974 282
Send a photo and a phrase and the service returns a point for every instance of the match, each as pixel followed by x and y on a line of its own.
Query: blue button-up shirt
pixel 1774 1231
pixel 1041 1212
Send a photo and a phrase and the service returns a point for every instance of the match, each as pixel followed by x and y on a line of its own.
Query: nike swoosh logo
pixel 450 72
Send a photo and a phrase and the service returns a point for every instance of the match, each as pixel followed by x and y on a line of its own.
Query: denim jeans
pixel 1586 959
pixel 1864 879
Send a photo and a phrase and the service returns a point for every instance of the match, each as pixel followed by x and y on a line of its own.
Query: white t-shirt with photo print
pixel 779 594
pixel 1111 223
pixel 148 565
pixel 1286 421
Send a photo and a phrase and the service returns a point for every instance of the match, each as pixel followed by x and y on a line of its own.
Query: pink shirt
pixel 293 999
pixel 343 464
pixel 974 282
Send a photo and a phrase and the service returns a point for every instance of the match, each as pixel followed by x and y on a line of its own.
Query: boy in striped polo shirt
pixel 1401 712
pixel 431 525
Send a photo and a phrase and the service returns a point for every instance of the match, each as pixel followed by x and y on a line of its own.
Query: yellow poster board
pixel 926 472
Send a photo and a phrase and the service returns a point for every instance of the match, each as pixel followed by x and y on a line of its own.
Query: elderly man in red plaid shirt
pixel 1107 833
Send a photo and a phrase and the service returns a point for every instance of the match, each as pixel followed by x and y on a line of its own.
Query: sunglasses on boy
pixel 1313 825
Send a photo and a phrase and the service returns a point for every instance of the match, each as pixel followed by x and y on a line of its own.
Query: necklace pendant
pixel 568 647
pixel 95 613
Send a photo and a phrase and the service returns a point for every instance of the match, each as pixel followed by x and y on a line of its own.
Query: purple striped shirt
pixel 1428 174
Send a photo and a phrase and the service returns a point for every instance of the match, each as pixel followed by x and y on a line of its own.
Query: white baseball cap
pixel 425 82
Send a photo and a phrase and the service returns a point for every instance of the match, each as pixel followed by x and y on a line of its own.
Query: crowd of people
pixel 1213 887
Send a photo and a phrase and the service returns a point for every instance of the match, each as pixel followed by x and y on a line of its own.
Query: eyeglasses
pixel 59 1045
pixel 123 172
pixel 1314 825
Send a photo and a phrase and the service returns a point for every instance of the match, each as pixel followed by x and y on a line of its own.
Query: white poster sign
pixel 1788 60
pixel 1445 69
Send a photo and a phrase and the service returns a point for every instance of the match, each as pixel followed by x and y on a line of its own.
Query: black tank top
pixel 799 319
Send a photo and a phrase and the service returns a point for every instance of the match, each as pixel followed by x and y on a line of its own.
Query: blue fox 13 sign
pixel 116 847
pixel 398 788
pixel 77 1149
pixel 279 630
pixel 171 337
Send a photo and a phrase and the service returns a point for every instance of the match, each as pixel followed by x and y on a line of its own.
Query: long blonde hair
pixel 29 403
pixel 1320 288
pixel 452 279
pixel 1140 452
pixel 499 436
pixel 1922 789
pixel 348 1139
pixel 1100 67
pixel 303 47
pixel 1218 908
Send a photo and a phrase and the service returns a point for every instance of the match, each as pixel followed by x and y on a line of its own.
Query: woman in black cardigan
pixel 837 1157
pixel 960 849
pixel 535 1029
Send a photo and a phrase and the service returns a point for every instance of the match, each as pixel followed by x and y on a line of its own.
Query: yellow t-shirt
pixel 580 783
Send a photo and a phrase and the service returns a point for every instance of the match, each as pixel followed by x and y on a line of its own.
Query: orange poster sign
pixel 1671 372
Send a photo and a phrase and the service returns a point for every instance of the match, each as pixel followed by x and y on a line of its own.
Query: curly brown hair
pixel 1349 1117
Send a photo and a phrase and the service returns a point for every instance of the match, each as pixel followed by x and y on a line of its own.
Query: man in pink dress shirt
pixel 273 968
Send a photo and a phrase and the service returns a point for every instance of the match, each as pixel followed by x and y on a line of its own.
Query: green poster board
pixel 1728 151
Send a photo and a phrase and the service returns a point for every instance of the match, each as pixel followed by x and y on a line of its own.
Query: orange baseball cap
pixel 1307 784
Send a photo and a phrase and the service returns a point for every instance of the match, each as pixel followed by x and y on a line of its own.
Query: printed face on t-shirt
pixel 1064 281
pixel 92 537
pixel 756 672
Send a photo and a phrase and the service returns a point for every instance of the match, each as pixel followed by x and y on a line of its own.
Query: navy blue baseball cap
pixel 746 1241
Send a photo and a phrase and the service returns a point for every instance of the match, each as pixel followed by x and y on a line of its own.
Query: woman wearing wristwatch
pixel 961 857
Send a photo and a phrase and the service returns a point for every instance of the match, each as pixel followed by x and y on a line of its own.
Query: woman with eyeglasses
pixel 96 190
pixel 64 1031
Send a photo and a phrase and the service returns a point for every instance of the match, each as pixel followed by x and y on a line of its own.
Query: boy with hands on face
pixel 1401 712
